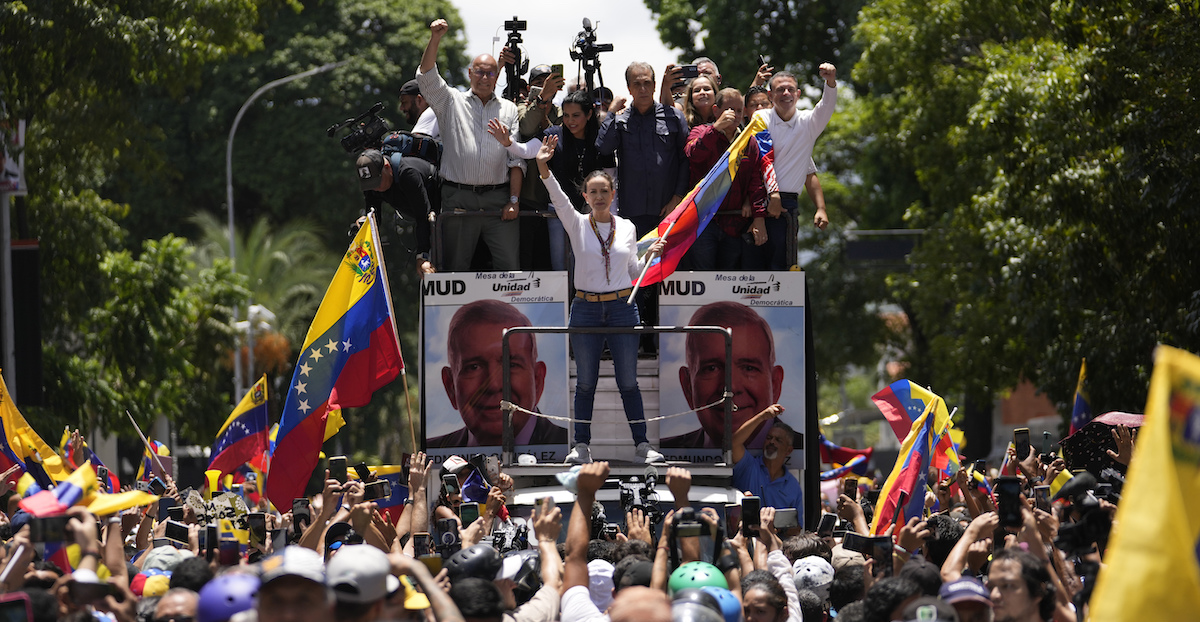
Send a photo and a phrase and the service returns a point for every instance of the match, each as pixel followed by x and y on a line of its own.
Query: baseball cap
pixel 538 72
pixel 813 573
pixel 454 464
pixel 294 561
pixel 360 574
pixel 370 169
pixel 163 558
pixel 929 609
pixel 843 557
pixel 410 88
pixel 966 589
pixel 413 600
pixel 600 583
pixel 341 533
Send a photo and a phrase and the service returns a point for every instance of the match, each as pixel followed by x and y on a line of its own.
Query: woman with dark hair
pixel 575 156
pixel 606 264
pixel 763 598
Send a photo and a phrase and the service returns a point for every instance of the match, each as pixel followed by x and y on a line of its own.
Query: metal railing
pixel 509 440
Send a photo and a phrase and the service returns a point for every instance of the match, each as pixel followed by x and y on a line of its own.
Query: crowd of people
pixel 654 146
pixel 972 555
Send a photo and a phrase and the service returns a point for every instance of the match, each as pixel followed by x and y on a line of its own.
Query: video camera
pixel 1094 523
pixel 586 51
pixel 367 131
pixel 519 65
pixel 640 495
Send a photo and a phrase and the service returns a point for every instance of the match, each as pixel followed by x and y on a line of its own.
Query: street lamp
pixel 237 359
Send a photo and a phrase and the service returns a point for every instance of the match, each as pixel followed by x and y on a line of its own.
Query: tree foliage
pixel 1052 144
pixel 793 35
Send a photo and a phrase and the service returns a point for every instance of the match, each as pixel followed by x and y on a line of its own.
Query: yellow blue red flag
pixel 1151 570
pixel 350 352
pixel 694 212
pixel 243 436
pixel 910 474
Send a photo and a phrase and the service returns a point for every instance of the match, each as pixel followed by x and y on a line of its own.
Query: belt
pixel 476 189
pixel 605 297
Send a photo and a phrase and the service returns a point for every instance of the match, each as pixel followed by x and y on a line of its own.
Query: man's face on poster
pixel 757 381
pixel 474 379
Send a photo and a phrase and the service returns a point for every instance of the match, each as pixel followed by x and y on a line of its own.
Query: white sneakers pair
pixel 581 454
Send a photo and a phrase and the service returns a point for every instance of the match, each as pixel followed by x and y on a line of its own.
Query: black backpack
pixel 415 145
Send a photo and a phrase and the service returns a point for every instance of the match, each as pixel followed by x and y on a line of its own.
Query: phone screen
pixel 751 506
pixel 157 487
pixel 856 542
pixel 420 544
pixel 301 514
pixel 786 518
pixel 362 471
pixel 1021 442
pixel 450 483
pixel 850 487
pixel 50 529
pixel 229 550
pixel 881 552
pixel 256 522
pixel 175 513
pixel 176 531
pixel 733 517
pixel 827 525
pixel 211 541
pixel 468 512
pixel 378 489
pixel 1041 498
pixel 1008 500
pixel 337 469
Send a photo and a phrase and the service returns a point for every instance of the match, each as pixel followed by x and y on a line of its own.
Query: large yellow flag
pixel 24 442
pixel 1151 571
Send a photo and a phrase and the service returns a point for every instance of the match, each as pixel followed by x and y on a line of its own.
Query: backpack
pixel 416 145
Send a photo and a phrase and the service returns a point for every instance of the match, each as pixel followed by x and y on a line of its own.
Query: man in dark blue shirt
pixel 767 475
pixel 648 138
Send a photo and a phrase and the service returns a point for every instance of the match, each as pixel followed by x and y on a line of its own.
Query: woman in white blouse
pixel 606 266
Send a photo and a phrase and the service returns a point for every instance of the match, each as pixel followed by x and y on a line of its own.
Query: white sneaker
pixel 648 453
pixel 580 454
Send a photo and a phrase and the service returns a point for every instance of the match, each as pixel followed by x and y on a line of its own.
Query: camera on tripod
pixel 519 65
pixel 586 51
pixel 367 130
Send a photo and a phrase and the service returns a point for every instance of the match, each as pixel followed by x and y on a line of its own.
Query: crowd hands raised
pixel 691 116
pixel 973 555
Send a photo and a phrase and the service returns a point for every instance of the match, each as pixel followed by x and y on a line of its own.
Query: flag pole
pixel 638 285
pixel 387 293
pixel 149 449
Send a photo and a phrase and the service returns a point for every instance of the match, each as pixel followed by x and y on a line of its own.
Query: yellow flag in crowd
pixel 1151 570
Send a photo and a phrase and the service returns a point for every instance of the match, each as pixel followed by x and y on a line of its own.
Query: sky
pixel 627 24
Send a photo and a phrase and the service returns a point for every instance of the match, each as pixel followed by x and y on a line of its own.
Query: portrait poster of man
pixel 765 310
pixel 464 315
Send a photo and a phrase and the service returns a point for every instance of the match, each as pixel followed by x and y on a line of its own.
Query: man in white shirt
pixel 793 134
pixel 479 176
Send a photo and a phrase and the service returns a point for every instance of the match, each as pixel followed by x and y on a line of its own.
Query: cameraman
pixel 410 185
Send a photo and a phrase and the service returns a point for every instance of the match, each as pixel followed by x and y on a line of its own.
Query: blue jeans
pixel 587 349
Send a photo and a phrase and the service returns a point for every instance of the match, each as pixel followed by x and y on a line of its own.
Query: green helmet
pixel 696 574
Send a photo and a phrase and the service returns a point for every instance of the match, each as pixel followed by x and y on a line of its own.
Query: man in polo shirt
pixel 767 475
pixel 793 135
pixel 479 175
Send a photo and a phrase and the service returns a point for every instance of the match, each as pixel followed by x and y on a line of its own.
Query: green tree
pixel 1050 142
pixel 794 35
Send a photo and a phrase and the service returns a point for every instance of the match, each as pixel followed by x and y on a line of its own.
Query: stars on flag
pixel 301 387
pixel 332 345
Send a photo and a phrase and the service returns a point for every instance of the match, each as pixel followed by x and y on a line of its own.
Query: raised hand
pixel 499 131
pixel 547 151
pixel 1124 437
pixel 828 73
pixel 439 27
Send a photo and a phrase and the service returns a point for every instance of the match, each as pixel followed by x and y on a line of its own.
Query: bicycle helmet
pixel 696 574
pixel 480 561
pixel 698 596
pixel 731 607
pixel 693 612
pixel 226 595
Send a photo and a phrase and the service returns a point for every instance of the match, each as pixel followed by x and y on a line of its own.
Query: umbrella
pixel 1087 447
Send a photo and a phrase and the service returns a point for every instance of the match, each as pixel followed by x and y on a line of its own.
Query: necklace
pixel 605 245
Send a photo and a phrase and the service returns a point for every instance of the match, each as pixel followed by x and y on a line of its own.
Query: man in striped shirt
pixel 480 177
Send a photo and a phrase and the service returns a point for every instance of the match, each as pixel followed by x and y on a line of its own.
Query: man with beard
pixel 767 475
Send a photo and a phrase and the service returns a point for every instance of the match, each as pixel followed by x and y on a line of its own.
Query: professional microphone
pixel 651 477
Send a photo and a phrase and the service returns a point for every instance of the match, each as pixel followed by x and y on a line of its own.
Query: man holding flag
pixel 350 352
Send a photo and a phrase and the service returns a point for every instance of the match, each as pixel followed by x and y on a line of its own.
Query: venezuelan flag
pixel 78 489
pixel 146 468
pixel 902 402
pixel 1081 410
pixel 910 473
pixel 22 445
pixel 836 454
pixel 243 436
pixel 857 465
pixel 350 352
pixel 1151 570
pixel 694 212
